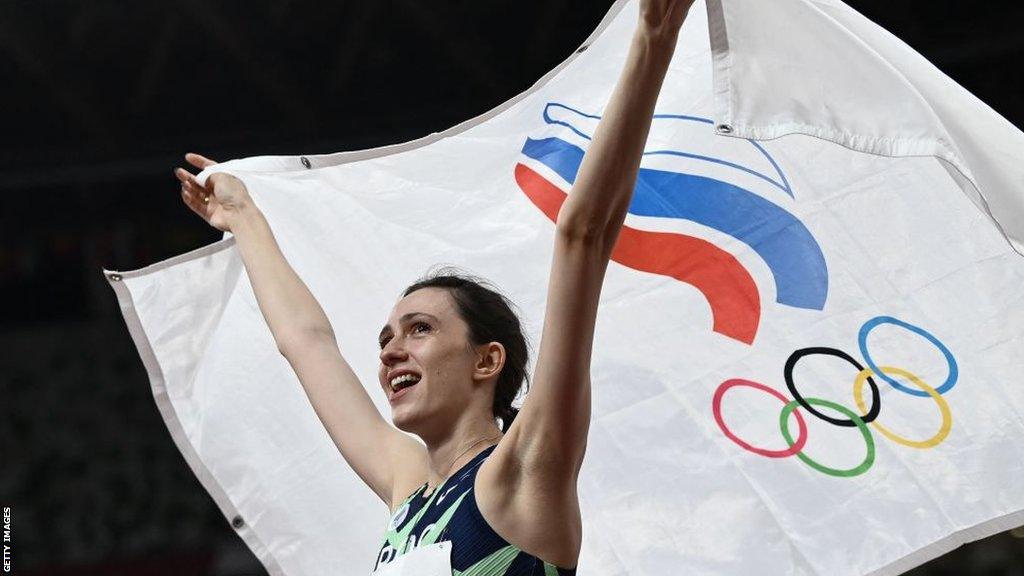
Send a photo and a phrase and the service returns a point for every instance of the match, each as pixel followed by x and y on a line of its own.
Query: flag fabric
pixel 808 342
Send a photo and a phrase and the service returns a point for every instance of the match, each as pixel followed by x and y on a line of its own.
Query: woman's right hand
pixel 223 197
pixel 663 18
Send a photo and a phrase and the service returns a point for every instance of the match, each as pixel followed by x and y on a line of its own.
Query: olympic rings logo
pixel 859 419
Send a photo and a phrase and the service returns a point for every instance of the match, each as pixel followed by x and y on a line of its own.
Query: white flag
pixel 808 345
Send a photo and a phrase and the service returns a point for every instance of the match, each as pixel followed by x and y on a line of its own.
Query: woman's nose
pixel 391 352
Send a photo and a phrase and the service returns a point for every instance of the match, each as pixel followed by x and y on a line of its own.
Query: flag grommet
pixel 237 523
pixel 724 128
pixel 306 162
pixel 114 277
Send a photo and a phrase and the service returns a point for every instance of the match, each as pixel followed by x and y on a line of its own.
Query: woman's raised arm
pixel 305 337
pixel 603 188
pixel 543 450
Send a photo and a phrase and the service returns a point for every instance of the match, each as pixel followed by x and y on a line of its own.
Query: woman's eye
pixel 415 328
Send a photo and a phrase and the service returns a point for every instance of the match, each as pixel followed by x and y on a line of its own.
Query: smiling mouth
pixel 396 395
pixel 402 382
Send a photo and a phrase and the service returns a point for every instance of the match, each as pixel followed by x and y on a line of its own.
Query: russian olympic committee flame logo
pixel 710 183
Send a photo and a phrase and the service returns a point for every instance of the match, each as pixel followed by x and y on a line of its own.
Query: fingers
pixel 184 176
pixel 199 161
pixel 189 182
pixel 193 202
pixel 193 194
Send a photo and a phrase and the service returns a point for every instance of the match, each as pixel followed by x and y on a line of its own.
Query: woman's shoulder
pixel 542 520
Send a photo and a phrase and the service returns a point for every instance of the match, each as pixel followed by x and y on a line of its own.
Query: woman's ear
pixel 490 360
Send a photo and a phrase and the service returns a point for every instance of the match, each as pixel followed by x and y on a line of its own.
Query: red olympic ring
pixel 716 408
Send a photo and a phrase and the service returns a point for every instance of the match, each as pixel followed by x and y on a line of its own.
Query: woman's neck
pixel 447 455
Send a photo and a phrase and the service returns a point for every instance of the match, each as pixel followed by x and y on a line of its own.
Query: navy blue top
pixel 451 514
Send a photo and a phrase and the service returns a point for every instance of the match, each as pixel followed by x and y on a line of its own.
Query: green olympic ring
pixel 857 470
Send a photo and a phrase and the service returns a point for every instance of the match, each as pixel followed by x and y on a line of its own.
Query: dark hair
pixel 490 318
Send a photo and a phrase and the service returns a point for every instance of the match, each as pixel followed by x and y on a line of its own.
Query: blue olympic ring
pixel 862 340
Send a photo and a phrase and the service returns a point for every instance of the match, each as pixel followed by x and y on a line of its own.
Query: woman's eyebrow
pixel 405 318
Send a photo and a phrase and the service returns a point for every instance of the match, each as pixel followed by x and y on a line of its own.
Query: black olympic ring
pixel 876 403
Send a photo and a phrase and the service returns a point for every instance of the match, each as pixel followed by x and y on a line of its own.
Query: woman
pixel 484 499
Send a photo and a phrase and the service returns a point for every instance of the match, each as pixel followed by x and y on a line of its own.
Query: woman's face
pixel 426 337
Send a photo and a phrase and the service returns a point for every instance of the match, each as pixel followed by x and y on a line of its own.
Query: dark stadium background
pixel 100 100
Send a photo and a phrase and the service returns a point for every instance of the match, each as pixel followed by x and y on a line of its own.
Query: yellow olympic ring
pixel 947 417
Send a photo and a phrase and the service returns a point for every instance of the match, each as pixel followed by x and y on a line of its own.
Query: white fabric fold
pixel 818 67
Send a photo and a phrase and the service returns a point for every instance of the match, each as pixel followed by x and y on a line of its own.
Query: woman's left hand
pixel 663 18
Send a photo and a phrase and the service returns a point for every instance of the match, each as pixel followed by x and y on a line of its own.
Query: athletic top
pixel 450 514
